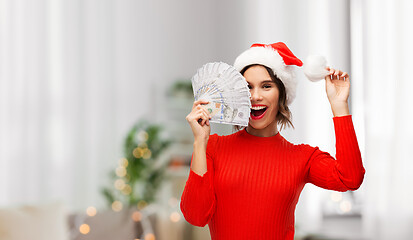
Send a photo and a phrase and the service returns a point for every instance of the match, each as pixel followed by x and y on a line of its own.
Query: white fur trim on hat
pixel 270 58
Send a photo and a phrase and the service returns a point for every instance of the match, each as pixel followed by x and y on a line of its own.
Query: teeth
pixel 258 108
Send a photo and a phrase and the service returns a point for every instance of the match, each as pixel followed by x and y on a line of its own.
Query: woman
pixel 246 185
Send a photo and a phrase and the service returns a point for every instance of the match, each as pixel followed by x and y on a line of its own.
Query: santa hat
pixel 280 59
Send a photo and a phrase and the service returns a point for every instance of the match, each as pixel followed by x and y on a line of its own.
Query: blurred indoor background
pixel 94 94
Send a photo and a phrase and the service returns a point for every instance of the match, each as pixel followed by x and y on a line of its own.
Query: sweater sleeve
pixel 344 173
pixel 198 198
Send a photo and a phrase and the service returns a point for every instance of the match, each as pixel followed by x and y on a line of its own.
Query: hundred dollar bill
pixel 224 113
pixel 227 92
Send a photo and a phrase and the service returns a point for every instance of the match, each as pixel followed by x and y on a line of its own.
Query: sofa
pixel 52 222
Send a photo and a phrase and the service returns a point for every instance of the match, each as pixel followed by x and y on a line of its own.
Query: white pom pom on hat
pixel 280 59
pixel 315 68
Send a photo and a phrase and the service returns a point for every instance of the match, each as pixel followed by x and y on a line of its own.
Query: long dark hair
pixel 284 114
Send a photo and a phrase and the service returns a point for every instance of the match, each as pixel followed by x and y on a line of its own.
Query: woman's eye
pixel 267 86
pixel 249 86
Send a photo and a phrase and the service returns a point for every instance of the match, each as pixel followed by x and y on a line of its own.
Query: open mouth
pixel 258 112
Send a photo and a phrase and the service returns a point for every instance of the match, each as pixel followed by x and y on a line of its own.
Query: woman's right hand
pixel 198 119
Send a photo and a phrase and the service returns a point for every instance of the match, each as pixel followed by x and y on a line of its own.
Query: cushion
pixel 40 222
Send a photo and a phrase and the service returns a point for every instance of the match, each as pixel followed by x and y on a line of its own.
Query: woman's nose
pixel 255 95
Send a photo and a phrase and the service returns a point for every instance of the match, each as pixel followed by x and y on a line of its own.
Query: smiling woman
pixel 256 166
pixel 267 85
pixel 264 101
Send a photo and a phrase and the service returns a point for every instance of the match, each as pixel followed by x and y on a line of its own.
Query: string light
pixel 117 206
pixel 123 162
pixel 143 145
pixel 175 217
pixel 119 184
pixel 147 153
pixel 138 152
pixel 143 136
pixel 142 151
pixel 84 229
pixel 127 189
pixel 121 171
pixel 345 206
pixel 142 204
pixel 149 236
pixel 91 211
pixel 137 216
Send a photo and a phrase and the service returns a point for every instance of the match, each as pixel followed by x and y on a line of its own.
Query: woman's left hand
pixel 337 85
pixel 338 91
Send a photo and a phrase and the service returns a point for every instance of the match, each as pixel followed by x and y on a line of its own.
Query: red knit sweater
pixel 252 184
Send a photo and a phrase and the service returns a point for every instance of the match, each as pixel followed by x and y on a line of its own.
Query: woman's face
pixel 264 99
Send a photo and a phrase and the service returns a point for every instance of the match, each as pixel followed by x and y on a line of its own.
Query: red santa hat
pixel 281 60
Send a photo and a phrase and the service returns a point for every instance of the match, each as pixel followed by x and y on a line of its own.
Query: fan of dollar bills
pixel 227 92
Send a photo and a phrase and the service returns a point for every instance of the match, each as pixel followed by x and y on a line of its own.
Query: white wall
pixel 90 70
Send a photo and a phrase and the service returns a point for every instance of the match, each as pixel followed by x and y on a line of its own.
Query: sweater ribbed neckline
pixel 244 134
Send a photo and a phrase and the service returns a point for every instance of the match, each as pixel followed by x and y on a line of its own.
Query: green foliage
pixel 138 176
pixel 181 88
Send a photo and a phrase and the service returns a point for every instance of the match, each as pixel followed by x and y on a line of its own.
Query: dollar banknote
pixel 227 92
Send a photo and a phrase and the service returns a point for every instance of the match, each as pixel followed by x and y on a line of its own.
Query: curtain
pixel 387 50
pixel 57 111
pixel 75 76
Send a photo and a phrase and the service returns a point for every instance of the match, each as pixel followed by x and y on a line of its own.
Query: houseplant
pixel 138 175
